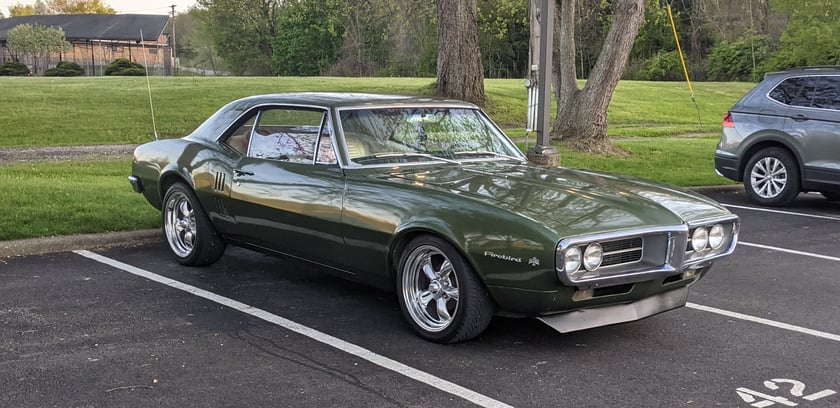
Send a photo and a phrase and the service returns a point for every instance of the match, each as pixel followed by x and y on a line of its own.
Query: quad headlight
pixel 592 256
pixel 716 236
pixel 588 259
pixel 703 238
pixel 699 239
pixel 572 259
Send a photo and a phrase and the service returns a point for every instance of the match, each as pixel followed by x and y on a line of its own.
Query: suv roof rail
pixel 814 68
pixel 804 69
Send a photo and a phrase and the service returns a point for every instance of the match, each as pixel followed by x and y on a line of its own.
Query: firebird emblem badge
pixel 534 261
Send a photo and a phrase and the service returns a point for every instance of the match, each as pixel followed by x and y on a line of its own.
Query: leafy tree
pixel 37 42
pixel 810 37
pixel 195 42
pixel 503 35
pixel 79 7
pixel 309 37
pixel 243 33
pixel 582 113
pixel 61 7
pixel 739 60
pixel 366 49
pixel 20 10
pixel 459 71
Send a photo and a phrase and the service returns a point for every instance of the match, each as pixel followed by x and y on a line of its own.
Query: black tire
pixel 831 195
pixel 771 177
pixel 426 287
pixel 192 239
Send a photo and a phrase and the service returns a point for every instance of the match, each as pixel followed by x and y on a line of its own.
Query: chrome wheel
pixel 430 288
pixel 768 177
pixel 180 224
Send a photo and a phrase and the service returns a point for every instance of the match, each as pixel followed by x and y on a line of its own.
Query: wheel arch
pixel 169 177
pixel 405 235
pixel 764 144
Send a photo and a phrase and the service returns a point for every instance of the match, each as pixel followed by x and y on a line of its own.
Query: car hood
pixel 571 202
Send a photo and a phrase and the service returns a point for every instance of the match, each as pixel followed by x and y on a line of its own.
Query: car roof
pixel 812 70
pixel 347 99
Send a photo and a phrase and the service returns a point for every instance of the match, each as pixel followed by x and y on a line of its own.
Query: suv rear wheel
pixel 772 177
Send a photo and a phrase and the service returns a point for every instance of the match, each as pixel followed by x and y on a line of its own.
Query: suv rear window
pixel 796 91
pixel 810 92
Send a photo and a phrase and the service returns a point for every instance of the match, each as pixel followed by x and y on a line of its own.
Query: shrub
pixel 65 69
pixel 14 69
pixel 664 66
pixel 130 72
pixel 733 61
pixel 122 64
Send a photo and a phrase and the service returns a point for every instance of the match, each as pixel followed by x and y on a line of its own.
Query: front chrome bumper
pixel 136 184
pixel 613 314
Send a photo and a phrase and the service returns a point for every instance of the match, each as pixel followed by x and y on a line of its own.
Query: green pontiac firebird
pixel 429 197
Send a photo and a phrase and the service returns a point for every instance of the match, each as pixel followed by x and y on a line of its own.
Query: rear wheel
pixel 439 293
pixel 772 177
pixel 191 236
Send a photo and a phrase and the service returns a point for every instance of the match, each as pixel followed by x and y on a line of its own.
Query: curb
pixel 66 243
pixel 732 188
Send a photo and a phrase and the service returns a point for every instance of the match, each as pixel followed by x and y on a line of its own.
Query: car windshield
pixel 423 135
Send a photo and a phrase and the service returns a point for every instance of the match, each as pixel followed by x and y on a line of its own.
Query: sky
pixel 123 6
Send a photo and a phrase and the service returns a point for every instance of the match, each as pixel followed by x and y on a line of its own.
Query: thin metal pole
pixel 544 72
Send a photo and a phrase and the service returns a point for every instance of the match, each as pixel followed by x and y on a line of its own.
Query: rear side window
pixel 827 95
pixel 811 92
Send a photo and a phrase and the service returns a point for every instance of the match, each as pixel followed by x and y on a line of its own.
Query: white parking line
pixel 821 217
pixel 789 251
pixel 313 334
pixel 767 322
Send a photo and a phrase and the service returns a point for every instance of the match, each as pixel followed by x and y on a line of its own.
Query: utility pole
pixel 542 44
pixel 174 49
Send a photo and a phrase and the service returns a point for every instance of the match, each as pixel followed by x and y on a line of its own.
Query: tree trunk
pixel 459 71
pixel 582 113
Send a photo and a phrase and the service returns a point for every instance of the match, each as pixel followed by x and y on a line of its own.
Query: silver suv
pixel 783 137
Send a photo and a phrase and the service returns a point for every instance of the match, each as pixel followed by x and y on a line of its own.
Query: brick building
pixel 99 39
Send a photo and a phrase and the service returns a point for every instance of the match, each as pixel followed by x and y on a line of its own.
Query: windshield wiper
pixel 406 155
pixel 487 153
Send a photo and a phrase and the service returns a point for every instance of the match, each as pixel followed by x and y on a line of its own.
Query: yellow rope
pixel 682 60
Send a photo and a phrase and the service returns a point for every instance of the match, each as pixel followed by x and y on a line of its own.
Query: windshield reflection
pixel 389 136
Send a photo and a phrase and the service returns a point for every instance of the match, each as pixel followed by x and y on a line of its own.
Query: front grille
pixel 622 251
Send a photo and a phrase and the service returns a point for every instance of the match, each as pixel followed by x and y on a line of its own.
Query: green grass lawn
pixel 44 199
pixel 41 111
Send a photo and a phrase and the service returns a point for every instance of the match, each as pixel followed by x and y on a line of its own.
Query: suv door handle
pixel 239 172
pixel 799 118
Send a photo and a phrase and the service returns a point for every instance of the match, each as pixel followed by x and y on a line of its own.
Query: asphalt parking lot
pixel 130 327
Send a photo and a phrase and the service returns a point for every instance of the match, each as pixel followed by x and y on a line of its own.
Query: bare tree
pixel 459 71
pixel 582 113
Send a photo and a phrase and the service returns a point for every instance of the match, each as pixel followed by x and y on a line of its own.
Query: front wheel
pixel 191 236
pixel 439 293
pixel 772 177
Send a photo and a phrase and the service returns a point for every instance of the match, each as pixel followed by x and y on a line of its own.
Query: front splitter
pixel 606 315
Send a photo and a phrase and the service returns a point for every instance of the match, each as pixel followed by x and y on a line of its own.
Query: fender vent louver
pixel 219 184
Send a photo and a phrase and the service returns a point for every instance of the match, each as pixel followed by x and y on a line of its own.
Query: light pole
pixel 542 27
pixel 174 49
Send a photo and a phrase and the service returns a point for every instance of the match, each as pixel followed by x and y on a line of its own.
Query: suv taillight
pixel 727 120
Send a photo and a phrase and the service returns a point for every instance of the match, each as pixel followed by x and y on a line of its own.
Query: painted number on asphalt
pixel 795 388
